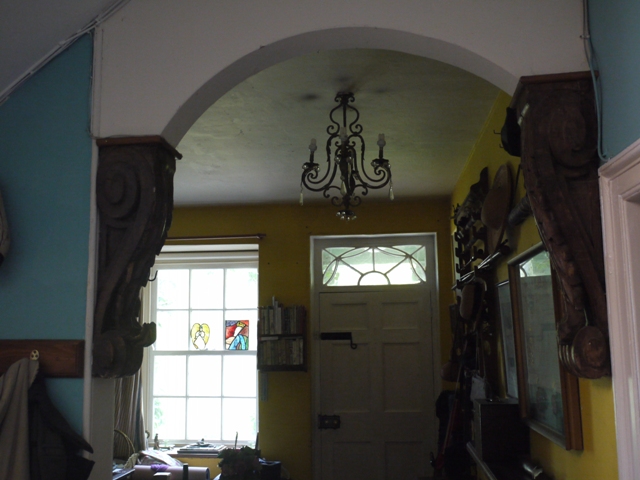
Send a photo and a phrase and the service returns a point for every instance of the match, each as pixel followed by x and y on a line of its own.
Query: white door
pixel 382 390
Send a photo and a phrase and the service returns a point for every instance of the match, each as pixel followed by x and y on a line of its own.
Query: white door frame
pixel 620 198
pixel 316 288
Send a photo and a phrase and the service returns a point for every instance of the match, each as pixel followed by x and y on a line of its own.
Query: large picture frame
pixel 548 394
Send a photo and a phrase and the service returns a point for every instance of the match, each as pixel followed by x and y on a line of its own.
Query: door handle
pixel 328 422
pixel 339 336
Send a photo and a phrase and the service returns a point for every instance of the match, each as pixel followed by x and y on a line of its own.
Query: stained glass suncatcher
pixel 200 333
pixel 237 334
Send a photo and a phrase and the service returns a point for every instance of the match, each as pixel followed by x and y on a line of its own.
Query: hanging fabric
pixel 53 444
pixel 14 419
pixel 128 416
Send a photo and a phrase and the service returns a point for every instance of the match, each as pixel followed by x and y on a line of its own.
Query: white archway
pixel 160 64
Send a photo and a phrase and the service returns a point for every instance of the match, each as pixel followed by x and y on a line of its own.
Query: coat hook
pixel 154 277
pixel 35 355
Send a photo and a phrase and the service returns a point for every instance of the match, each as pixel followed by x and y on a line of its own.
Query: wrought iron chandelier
pixel 347 167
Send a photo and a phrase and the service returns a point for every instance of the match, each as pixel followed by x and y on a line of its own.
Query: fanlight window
pixel 363 266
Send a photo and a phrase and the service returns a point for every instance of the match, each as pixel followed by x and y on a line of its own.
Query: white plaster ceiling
pixel 31 29
pixel 250 145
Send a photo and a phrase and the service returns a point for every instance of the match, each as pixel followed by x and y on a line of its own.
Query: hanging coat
pixel 14 428
pixel 54 445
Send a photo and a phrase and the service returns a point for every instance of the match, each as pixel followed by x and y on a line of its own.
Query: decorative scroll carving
pixel 559 165
pixel 134 191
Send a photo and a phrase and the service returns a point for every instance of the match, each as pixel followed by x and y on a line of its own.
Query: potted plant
pixel 240 464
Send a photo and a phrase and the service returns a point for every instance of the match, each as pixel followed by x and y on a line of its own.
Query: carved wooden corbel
pixel 559 164
pixel 134 193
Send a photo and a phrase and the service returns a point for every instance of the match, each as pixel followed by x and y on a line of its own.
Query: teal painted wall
pixel 615 33
pixel 45 180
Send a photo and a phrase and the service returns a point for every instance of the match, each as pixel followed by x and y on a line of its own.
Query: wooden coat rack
pixel 58 358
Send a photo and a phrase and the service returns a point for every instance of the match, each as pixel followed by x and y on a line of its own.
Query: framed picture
pixel 508 339
pixel 548 394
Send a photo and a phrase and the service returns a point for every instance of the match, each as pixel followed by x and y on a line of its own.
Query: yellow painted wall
pixel 284 269
pixel 285 419
pixel 598 460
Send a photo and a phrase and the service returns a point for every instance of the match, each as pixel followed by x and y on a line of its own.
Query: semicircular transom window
pixel 365 266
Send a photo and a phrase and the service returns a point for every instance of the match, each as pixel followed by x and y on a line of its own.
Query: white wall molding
pixel 620 198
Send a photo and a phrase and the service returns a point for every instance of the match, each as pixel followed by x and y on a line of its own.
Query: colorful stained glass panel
pixel 211 318
pixel 237 334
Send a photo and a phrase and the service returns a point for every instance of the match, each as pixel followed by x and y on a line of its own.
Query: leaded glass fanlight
pixel 394 265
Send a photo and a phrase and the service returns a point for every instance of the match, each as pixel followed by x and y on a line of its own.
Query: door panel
pixel 382 390
pixel 345 385
pixel 401 368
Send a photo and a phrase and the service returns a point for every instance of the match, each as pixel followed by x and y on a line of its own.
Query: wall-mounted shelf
pixel 281 338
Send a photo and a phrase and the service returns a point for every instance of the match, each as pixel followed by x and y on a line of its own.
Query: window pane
pixel 239 376
pixel 386 258
pixel 168 417
pixel 237 334
pixel 205 376
pixel 206 330
pixel 252 315
pixel 241 288
pixel 172 330
pixel 173 289
pixel 207 288
pixel 360 258
pixel 169 375
pixel 402 265
pixel 536 266
pixel 239 415
pixel 405 273
pixel 344 275
pixel 204 418
pixel 374 278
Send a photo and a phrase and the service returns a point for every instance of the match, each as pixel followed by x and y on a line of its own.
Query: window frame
pixel 187 257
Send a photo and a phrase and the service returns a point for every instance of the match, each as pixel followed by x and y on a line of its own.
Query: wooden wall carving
pixel 134 193
pixel 559 164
